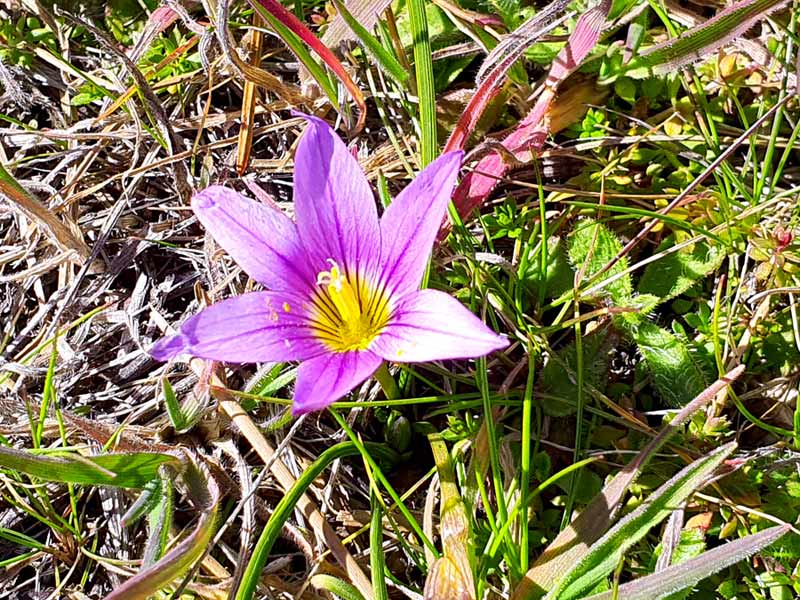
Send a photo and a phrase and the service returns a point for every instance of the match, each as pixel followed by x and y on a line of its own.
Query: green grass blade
pixel 426 91
pixel 377 560
pixel 337 587
pixel 182 416
pixel 282 512
pixel 605 554
pixel 176 416
pixel 680 577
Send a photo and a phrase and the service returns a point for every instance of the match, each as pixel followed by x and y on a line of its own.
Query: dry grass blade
pixel 365 12
pixel 249 99
pixel 289 93
pixel 62 235
pixel 292 23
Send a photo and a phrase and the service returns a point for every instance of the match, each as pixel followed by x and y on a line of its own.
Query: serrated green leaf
pixel 560 386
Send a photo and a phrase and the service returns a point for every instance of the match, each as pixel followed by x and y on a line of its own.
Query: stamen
pixel 349 313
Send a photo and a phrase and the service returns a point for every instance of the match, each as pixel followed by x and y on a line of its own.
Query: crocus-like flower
pixel 343 286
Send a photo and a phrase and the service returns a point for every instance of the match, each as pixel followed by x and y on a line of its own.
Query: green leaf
pixel 625 88
pixel 377 560
pixel 605 554
pixel 592 247
pixel 300 50
pixel 126 470
pixel 183 417
pixel 159 521
pixel 426 89
pixel 692 543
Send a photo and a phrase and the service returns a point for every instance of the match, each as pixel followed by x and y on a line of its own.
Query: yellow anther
pixel 349 313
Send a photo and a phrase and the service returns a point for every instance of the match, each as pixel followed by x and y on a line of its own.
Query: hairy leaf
pixel 592 247
pixel 679 577
pixel 700 42
pixel 128 470
pixel 676 375
pixel 205 494
pixel 674 274
pixel 604 554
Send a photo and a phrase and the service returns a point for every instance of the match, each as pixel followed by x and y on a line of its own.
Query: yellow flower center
pixel 347 312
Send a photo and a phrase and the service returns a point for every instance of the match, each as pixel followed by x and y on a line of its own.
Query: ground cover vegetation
pixel 594 395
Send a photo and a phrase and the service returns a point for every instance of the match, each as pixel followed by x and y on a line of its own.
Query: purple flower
pixel 343 285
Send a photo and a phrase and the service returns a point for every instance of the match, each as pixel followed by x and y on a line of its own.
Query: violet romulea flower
pixel 343 286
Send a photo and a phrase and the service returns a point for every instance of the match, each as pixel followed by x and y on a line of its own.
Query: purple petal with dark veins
pixel 411 222
pixel 326 378
pixel 262 240
pixel 431 325
pixel 254 327
pixel 336 213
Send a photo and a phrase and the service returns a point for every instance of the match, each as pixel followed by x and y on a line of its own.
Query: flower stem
pixel 387 382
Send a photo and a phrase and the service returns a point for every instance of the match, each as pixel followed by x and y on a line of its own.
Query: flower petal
pixel 325 379
pixel 410 224
pixel 262 240
pixel 431 325
pixel 336 213
pixel 254 327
